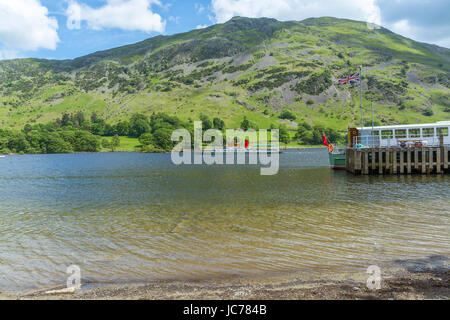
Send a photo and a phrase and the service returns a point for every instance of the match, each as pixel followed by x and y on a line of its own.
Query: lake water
pixel 124 217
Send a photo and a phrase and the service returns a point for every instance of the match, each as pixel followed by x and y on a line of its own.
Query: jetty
pixel 394 160
pixel 407 149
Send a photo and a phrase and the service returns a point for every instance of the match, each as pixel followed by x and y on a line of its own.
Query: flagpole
pixel 371 107
pixel 360 86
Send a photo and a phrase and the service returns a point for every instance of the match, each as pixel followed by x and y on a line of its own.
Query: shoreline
pixel 401 284
pixel 299 148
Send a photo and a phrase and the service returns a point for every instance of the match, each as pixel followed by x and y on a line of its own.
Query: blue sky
pixel 180 16
pixel 72 28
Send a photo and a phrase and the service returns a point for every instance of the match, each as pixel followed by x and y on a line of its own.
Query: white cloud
pixel 201 26
pixel 418 19
pixel 175 19
pixel 401 27
pixel 364 10
pixel 199 8
pixel 6 54
pixel 25 25
pixel 437 35
pixel 122 14
pixel 444 42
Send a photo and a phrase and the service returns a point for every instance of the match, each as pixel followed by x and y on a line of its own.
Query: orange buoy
pixel 330 148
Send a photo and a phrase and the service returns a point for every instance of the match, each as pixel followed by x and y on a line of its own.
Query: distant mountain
pixel 245 67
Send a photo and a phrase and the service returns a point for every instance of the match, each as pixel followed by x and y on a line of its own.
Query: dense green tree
pixel 284 135
pixel 218 124
pixel 78 119
pixel 94 117
pixel 307 134
pixel 56 144
pixel 287 114
pixel 115 142
pixel 106 144
pixel 18 142
pixel 146 139
pixel 27 128
pixel 138 125
pixel 163 139
pixel 138 128
pixel 138 116
pixel 122 128
pixel 85 125
pixel 304 134
pixel 245 124
pixel 68 136
pixel 35 139
pixel 97 129
pixel 65 120
pixel 206 122
pixel 86 142
pixel 109 130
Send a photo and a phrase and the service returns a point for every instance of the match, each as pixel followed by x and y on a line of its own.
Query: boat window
pixel 442 131
pixel 428 132
pixel 376 133
pixel 387 134
pixel 414 133
pixel 401 133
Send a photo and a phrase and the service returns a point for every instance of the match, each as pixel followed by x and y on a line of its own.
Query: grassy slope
pixel 126 144
pixel 311 45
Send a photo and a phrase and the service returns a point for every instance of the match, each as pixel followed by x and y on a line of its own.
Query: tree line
pixel 78 133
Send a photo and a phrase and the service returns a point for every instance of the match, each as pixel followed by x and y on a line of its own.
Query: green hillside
pixel 246 67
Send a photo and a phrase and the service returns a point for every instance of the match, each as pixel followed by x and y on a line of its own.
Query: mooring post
pixel 349 160
pixel 388 161
pixel 408 161
pixel 431 160
pixel 380 161
pixel 438 160
pixel 423 161
pixel 402 163
pixel 416 158
pixel 366 161
pixel 394 161
pixel 373 153
pixel 358 162
pixel 445 157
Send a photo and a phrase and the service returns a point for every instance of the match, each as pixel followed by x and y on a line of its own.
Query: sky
pixel 72 28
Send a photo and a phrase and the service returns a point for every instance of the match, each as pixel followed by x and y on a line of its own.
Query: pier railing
pixel 376 142
pixel 397 160
pixel 366 141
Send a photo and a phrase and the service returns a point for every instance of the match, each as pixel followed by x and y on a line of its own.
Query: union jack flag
pixel 354 78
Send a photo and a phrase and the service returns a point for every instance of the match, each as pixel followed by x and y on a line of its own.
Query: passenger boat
pixel 337 155
pixel 400 136
pixel 337 159
pixel 428 134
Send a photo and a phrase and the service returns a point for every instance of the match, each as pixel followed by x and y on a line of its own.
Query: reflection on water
pixel 130 217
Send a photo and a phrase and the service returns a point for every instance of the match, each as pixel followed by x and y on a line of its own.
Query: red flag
pixel 325 141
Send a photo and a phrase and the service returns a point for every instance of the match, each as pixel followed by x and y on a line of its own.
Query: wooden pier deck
pixel 396 160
